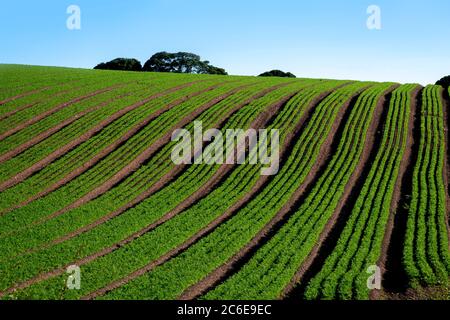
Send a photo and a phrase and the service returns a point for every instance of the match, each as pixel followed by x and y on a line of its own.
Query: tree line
pixel 179 62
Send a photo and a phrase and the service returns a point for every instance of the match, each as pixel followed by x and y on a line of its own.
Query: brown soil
pixel 422 293
pixel 60 152
pixel 114 247
pixel 22 95
pixel 397 213
pixel 35 140
pixel 139 160
pixel 153 189
pixel 30 105
pixel 13 112
pixel 260 122
pixel 53 110
pixel 97 158
pixel 316 257
pixel 446 106
pixel 232 264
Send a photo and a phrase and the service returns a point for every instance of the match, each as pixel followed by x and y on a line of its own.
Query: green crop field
pixel 358 208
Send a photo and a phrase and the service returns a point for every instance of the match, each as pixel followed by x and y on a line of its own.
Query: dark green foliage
pixel 277 73
pixel 180 62
pixel 444 82
pixel 123 64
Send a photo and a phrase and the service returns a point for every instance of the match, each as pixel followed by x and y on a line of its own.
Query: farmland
pixel 87 180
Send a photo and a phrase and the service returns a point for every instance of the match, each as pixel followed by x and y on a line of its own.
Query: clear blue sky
pixel 314 38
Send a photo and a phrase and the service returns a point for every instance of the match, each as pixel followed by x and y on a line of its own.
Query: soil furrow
pixel 264 234
pixel 390 263
pixel 86 136
pixel 13 112
pixel 22 95
pixel 167 178
pixel 54 110
pixel 40 137
pixel 393 242
pixel 218 178
pixel 446 106
pixel 100 156
pixel 334 226
pixel 162 182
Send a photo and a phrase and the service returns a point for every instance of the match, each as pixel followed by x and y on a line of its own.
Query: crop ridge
pixel 220 175
pixel 22 95
pixel 394 279
pixel 241 257
pixel 332 229
pixel 167 178
pixel 56 109
pixel 140 159
pixel 47 133
pixel 86 136
pixel 80 262
pixel 13 112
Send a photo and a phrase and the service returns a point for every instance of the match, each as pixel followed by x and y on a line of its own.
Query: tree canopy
pixel 123 64
pixel 277 73
pixel 180 62
pixel 445 82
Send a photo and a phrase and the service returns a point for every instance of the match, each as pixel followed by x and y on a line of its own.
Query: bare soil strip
pixel 140 198
pixel 54 110
pixel 332 229
pixel 13 112
pixel 167 178
pixel 22 95
pixel 220 175
pixel 86 136
pixel 107 121
pixel 390 262
pixel 40 137
pixel 30 105
pixel 95 160
pixel 264 234
pixel 140 159
pixel 446 106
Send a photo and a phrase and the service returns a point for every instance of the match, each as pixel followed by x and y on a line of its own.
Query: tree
pixel 123 64
pixel 277 73
pixel 445 82
pixel 180 62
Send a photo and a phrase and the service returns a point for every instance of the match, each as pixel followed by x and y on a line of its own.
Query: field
pixel 87 180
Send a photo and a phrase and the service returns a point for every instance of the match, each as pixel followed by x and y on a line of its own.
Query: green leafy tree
pixel 445 82
pixel 277 73
pixel 180 62
pixel 123 64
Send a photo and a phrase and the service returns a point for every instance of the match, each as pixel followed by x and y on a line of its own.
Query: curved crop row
pixel 218 246
pixel 344 274
pixel 426 252
pixel 102 171
pixel 241 119
pixel 273 266
pixel 98 207
pixel 139 89
pixel 57 108
pixel 108 134
pixel 19 87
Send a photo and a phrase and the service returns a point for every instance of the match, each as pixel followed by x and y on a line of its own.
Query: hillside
pixel 87 179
